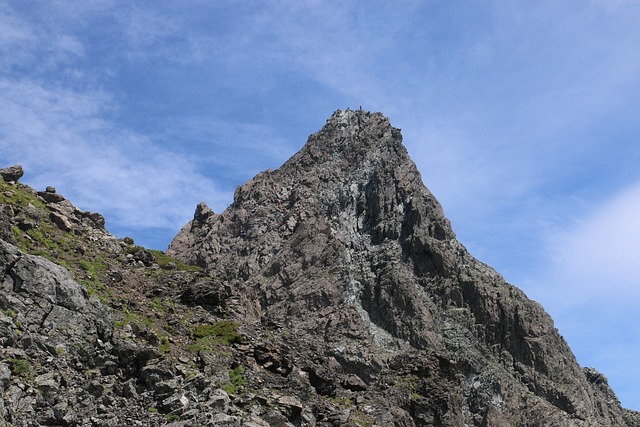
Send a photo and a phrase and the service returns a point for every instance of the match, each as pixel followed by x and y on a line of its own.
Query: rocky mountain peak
pixel 351 137
pixel 345 249
pixel 332 292
pixel 354 173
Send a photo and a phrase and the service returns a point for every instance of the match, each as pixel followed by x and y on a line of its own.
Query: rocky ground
pixel 332 292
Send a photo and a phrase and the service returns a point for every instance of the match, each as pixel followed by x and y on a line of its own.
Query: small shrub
pixel 20 367
pixel 164 345
pixel 167 262
pixel 236 380
pixel 342 402
pixel 133 249
pixel 158 305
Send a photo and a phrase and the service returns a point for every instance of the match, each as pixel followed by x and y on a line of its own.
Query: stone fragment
pixel 61 221
pixel 494 418
pixel 94 219
pixel 290 401
pixel 219 401
pixel 354 383
pixel 50 197
pixel 223 420
pixel 144 256
pixel 176 403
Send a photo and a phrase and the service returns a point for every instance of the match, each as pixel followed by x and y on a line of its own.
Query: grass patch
pixel 134 318
pixel 166 262
pixel 158 305
pixel 342 402
pixel 21 368
pixel 411 384
pixel 9 312
pixel 93 270
pixel 236 380
pixel 133 249
pixel 18 195
pixel 361 419
pixel 224 330
pixel 165 345
pixel 39 236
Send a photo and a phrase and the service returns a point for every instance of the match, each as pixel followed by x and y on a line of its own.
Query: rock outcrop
pixel 45 311
pixel 12 173
pixel 350 257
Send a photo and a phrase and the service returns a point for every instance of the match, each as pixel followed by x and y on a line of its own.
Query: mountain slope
pixel 95 331
pixel 351 259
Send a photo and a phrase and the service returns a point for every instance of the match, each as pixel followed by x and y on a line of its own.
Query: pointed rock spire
pixel 346 246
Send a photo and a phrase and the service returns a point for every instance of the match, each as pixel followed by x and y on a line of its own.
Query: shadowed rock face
pixel 347 250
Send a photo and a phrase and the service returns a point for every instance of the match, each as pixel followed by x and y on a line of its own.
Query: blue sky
pixel 523 118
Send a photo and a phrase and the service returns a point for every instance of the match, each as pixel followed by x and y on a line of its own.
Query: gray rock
pixel 494 418
pixel 5 374
pixel 12 173
pixel 354 383
pixel 6 231
pixel 224 420
pixel 144 256
pixel 50 197
pixel 61 221
pixel 96 219
pixel 176 403
pixel 219 402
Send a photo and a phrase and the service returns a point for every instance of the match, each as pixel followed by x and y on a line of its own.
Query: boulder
pixel 51 196
pixel 12 173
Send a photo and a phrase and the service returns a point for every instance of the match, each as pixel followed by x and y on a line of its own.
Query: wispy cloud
pixel 63 130
pixel 63 137
pixel 596 258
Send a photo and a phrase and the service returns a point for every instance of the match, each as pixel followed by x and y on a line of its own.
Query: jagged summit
pixel 356 159
pixel 351 136
pixel 345 249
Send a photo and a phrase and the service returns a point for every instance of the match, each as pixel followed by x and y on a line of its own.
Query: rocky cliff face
pixel 348 255
pixel 332 292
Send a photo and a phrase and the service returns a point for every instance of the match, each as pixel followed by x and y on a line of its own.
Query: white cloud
pixel 58 123
pixel 599 256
